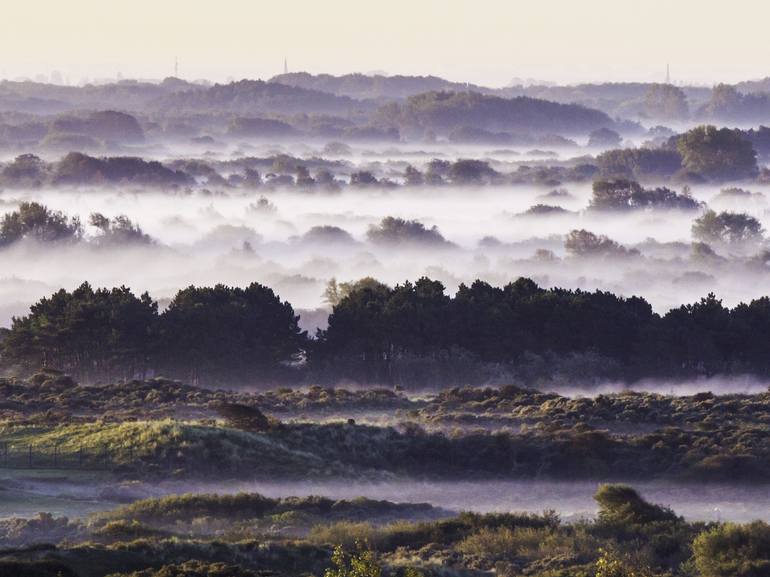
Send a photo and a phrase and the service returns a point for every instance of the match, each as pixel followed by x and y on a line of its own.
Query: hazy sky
pixel 483 41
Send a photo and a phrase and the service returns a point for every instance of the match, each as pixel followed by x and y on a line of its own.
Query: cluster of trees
pixel 586 244
pixel 666 102
pixel 703 153
pixel 103 125
pixel 727 104
pixel 35 222
pixel 119 230
pixel 475 135
pixel 248 335
pixel 442 112
pixel 77 168
pixel 364 86
pixel 373 328
pixel 639 163
pixel 604 138
pixel 256 97
pixel 259 127
pixel 717 153
pixel 619 194
pixel 219 333
pixel 734 228
pixel 398 232
pixel 88 130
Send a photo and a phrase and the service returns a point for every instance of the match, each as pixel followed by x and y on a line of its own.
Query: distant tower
pixel 176 67
pixel 668 74
pixel 285 66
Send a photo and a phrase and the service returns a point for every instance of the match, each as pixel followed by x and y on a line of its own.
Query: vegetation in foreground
pixel 156 429
pixel 247 535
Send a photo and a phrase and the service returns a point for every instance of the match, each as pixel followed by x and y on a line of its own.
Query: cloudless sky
pixel 483 41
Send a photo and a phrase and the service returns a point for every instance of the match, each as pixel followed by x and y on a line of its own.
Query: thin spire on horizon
pixel 285 66
pixel 668 74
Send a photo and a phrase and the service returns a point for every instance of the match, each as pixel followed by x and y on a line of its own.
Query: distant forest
pixel 355 107
pixel 412 334
pixel 703 154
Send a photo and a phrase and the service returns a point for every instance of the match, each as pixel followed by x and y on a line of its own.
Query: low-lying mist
pixel 269 237
pixel 717 385
pixel 572 500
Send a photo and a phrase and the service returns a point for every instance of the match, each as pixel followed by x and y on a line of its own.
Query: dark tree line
pixel 236 335
pixel 374 329
pixel 379 334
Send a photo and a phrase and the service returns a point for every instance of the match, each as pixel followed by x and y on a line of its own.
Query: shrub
pixel 503 543
pixel 360 564
pixel 343 533
pixel 622 504
pixel 731 550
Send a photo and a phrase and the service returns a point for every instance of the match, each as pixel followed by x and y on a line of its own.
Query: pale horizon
pixel 488 42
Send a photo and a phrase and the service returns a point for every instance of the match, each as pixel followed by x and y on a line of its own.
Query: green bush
pixel 732 550
pixel 622 504
pixel 360 564
pixel 506 542
pixel 344 533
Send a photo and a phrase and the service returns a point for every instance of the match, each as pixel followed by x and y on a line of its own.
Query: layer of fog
pixel 233 238
pixel 717 385
pixel 570 499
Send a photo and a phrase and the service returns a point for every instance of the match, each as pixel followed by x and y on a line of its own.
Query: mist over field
pixel 207 237
pixel 341 289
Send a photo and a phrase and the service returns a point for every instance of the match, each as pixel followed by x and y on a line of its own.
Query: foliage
pixel 229 333
pixel 445 111
pixel 622 504
pixel 619 194
pixel 507 543
pixel 397 231
pixel 727 104
pixel 537 545
pixel 639 163
pixel 666 102
pixel 117 231
pixel 604 138
pixel 205 333
pixel 360 564
pixel 731 550
pixel 244 417
pixel 611 564
pixel 719 154
pixel 259 127
pixel 87 332
pixel 108 125
pixel 34 221
pixel 727 227
pixel 584 243
pixel 344 534
pixel 411 333
pixel 372 332
pixel 78 169
pixel 26 170
pixel 471 171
